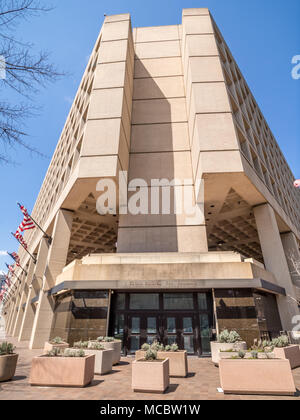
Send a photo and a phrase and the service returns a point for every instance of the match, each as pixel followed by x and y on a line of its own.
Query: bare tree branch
pixel 26 73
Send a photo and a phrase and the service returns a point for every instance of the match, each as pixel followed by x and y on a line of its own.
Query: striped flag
pixel 27 223
pixel 297 183
pixel 15 257
pixel 10 268
pixel 7 281
pixel 19 237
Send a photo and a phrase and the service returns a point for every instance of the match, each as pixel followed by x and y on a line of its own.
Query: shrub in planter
pixel 246 354
pixel 178 363
pixel 255 376
pixel 56 342
pixel 283 350
pixel 110 343
pixel 8 361
pixel 150 374
pixel 227 340
pixel 81 344
pixel 71 368
pixel 103 357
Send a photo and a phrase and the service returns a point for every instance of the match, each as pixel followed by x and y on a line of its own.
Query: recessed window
pixel 202 302
pixel 120 303
pixel 144 301
pixel 178 301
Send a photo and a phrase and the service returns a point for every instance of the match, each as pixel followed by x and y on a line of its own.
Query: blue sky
pixel 262 35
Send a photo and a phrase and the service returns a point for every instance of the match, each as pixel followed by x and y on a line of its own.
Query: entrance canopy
pixel 168 271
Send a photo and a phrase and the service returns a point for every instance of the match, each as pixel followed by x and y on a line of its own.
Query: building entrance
pixel 182 318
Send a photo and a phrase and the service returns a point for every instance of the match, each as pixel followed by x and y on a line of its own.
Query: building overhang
pixel 168 272
pixel 169 285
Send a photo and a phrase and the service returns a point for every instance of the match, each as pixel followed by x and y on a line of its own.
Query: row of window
pixel 171 301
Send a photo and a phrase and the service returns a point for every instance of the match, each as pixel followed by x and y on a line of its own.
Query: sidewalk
pixel 201 384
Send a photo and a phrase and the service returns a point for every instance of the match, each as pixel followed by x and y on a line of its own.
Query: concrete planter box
pixel 116 346
pixel 140 354
pixel 51 346
pixel 62 371
pixel 264 377
pixel 150 376
pixel 178 363
pixel 230 354
pixel 8 364
pixel 103 360
pixel 215 347
pixel 292 353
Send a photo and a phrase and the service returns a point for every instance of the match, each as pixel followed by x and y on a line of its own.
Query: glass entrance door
pixel 182 318
pixel 180 330
pixel 142 329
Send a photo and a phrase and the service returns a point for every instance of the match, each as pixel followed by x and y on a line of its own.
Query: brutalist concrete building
pixel 162 103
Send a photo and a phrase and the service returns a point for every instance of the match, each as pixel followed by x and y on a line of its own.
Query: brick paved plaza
pixel 201 384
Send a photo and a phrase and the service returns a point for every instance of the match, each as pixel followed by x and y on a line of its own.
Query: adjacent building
pixel 168 104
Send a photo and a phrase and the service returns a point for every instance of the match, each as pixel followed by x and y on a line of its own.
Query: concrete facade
pixel 169 104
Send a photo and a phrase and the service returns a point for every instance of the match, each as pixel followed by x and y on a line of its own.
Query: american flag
pixel 7 281
pixel 19 237
pixel 27 222
pixel 11 268
pixel 15 257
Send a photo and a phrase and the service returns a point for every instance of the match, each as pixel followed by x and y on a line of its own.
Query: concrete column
pixel 23 298
pixel 292 253
pixel 275 261
pixel 29 312
pixel 11 313
pixel 2 325
pixel 57 257
pixel 17 302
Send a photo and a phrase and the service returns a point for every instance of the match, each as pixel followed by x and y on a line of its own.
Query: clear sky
pixel 262 35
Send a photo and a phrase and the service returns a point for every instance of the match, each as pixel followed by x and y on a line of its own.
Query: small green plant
pixel 73 353
pixel 81 344
pixel 57 340
pixel 54 352
pixel 145 347
pixel 156 346
pixel 108 339
pixel 281 341
pixel 101 338
pixel 229 337
pixel 6 348
pixel 172 347
pixel 241 354
pixel 254 354
pixel 150 355
pixel 96 346
pixel 262 346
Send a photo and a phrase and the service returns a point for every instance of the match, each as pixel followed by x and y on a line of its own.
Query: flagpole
pixel 34 259
pixel 24 271
pixel 14 274
pixel 46 235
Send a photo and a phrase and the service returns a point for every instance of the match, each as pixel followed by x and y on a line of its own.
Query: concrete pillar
pixel 23 298
pixel 57 257
pixel 2 324
pixel 29 312
pixel 17 302
pixel 275 261
pixel 11 313
pixel 292 253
